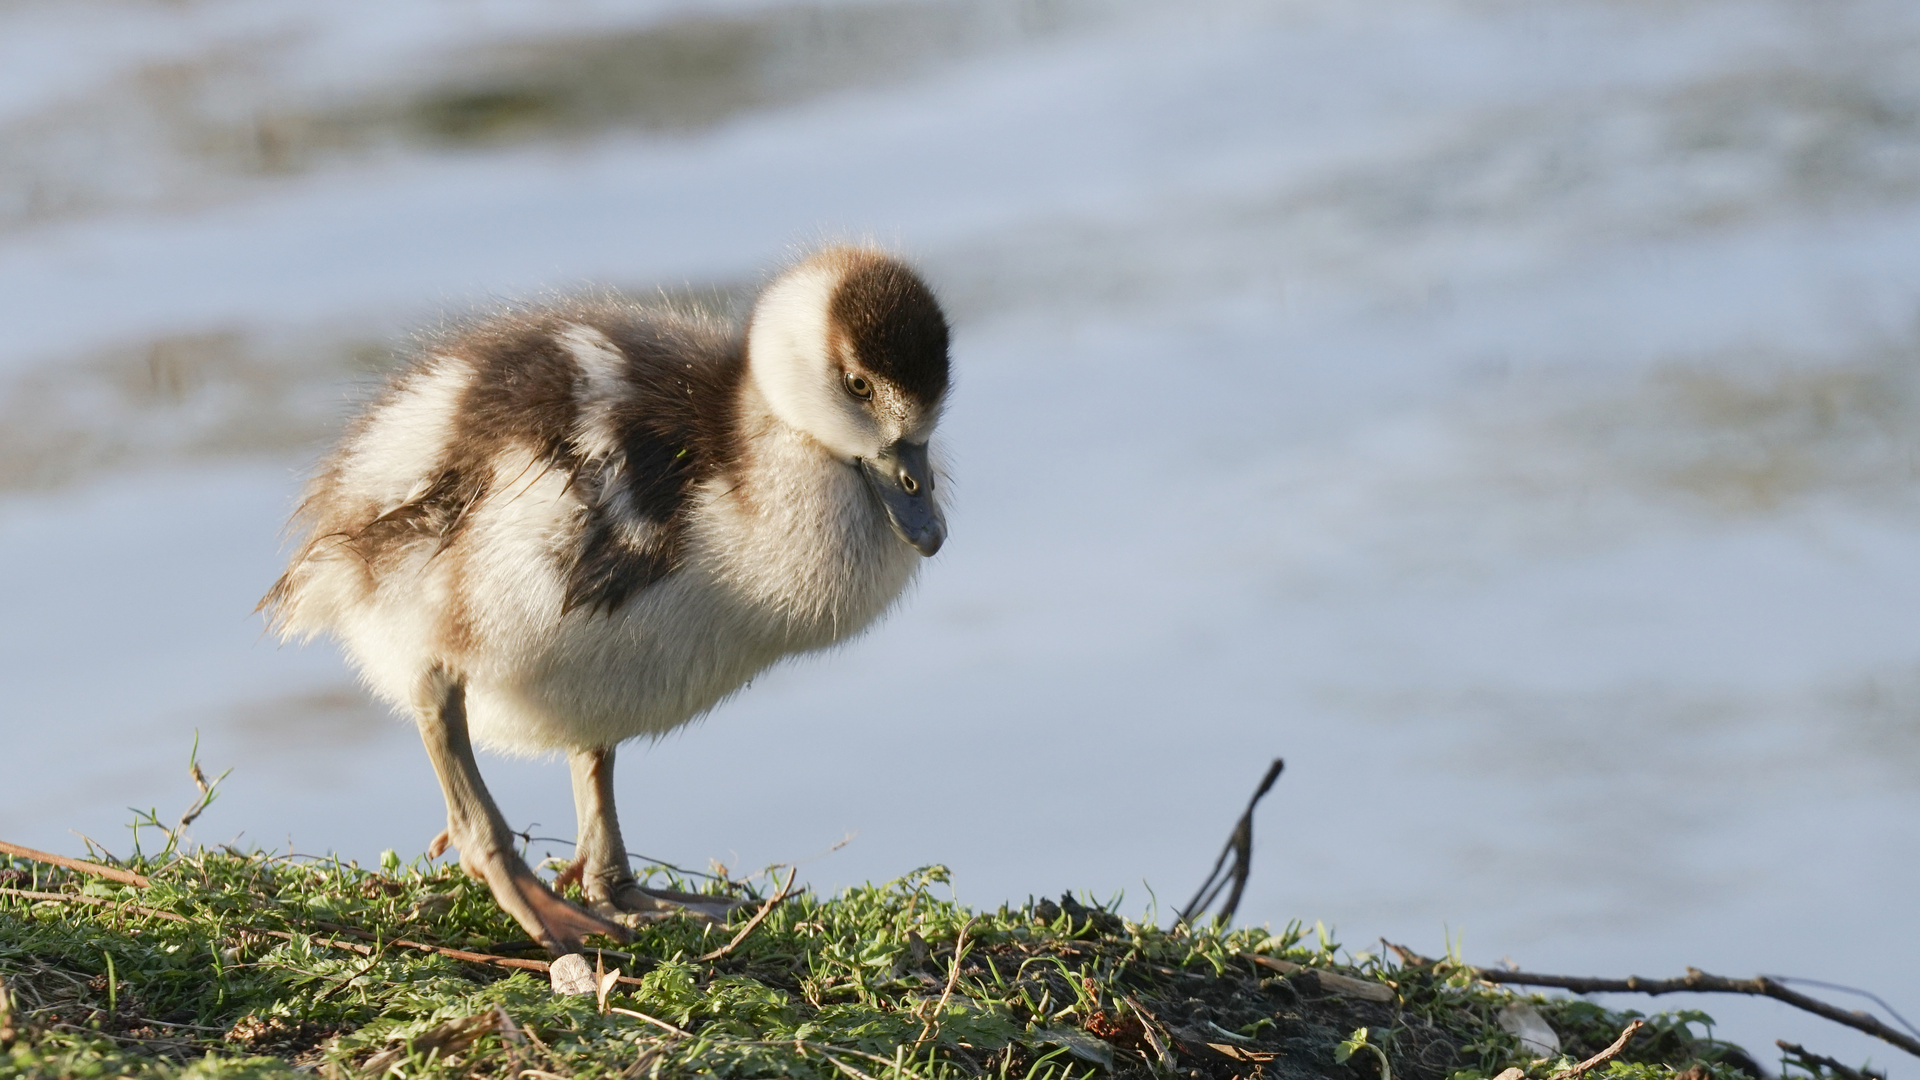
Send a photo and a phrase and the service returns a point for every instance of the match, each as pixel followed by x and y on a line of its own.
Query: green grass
pixel 852 986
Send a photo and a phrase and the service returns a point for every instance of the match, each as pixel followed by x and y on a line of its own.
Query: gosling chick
pixel 567 527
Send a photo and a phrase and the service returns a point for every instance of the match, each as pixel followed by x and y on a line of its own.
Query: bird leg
pixel 476 827
pixel 600 860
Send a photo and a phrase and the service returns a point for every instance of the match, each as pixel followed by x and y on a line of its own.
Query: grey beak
pixel 903 479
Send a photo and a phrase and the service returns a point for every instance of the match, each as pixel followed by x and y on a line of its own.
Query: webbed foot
pixel 556 924
pixel 474 825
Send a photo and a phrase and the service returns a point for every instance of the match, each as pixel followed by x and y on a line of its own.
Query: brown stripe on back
pixel 675 430
pixel 522 393
pixel 673 423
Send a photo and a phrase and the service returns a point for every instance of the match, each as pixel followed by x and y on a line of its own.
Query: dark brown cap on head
pixel 893 324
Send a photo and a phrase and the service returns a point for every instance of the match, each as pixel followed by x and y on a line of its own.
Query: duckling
pixel 574 525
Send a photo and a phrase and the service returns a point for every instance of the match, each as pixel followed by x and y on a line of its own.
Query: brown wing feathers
pixel 672 416
pixel 674 430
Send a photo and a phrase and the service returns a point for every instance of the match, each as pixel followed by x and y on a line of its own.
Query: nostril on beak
pixel 908 484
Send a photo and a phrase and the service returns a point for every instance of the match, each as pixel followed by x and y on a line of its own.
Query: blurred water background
pixel 1506 411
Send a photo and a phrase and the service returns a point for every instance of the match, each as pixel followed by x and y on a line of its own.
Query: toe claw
pixel 557 925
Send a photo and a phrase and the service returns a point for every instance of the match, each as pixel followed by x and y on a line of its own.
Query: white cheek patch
pixel 789 360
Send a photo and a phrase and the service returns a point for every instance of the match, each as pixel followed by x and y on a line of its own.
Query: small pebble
pixel 571 975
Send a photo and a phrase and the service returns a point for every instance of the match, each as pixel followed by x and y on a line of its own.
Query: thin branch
pixel 468 956
pixel 446 1039
pixel 98 901
pixel 805 859
pixel 647 1057
pixel 765 908
pixel 1603 1056
pixel 541 966
pixel 654 1020
pixel 1813 1062
pixel 1240 847
pixel 208 790
pixel 1697 981
pixel 377 955
pixel 286 935
pixel 9 1032
pixel 1855 991
pixel 648 860
pixel 1148 1022
pixel 953 979
pixel 1408 956
pixel 850 1070
pixel 125 877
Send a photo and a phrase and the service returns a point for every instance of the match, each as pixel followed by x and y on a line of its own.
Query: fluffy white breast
pixel 802 538
pixel 789 556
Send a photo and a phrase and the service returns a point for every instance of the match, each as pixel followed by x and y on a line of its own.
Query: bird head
pixel 850 348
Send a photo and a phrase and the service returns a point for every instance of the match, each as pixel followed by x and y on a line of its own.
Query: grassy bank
pixel 238 964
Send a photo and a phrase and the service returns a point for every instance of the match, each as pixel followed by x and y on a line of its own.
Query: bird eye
pixel 858 386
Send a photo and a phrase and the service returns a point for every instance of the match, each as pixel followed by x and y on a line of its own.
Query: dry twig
pixel 1408 956
pixel 205 800
pixel 1603 1056
pixel 850 1070
pixel 654 1020
pixel 444 1040
pixel 1697 981
pixel 640 1064
pixel 541 966
pixel 1790 980
pixel 1240 847
pixel 765 908
pixel 1148 1022
pixel 953 979
pixel 376 956
pixel 7 1031
pixel 1813 1062
pixel 97 901
pixel 544 967
pixel 125 877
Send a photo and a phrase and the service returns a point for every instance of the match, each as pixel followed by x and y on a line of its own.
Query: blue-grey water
pixel 1507 413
